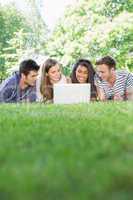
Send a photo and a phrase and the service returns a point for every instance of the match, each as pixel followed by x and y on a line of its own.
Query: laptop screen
pixel 71 93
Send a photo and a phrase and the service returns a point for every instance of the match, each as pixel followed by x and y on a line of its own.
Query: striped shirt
pixel 124 81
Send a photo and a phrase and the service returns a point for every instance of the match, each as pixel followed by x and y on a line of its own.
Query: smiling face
pixel 54 74
pixel 82 74
pixel 104 72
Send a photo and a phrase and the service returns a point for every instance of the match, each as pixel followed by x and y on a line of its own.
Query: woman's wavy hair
pixel 46 87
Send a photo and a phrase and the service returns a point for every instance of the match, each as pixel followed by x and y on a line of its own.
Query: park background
pixel 66 152
pixel 78 29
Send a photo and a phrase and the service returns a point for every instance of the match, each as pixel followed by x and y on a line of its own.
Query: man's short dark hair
pixel 28 65
pixel 107 60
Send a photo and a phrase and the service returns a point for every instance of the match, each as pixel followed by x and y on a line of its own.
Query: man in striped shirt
pixel 112 84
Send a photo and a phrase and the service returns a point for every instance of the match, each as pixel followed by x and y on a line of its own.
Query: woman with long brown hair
pixel 50 74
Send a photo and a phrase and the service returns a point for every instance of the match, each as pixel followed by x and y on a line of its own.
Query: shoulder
pixel 122 73
pixel 14 78
pixel 125 77
pixel 9 82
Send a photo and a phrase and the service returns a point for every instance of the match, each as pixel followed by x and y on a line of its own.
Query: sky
pixel 54 9
pixel 51 9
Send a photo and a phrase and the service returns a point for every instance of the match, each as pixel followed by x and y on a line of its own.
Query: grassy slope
pixel 66 152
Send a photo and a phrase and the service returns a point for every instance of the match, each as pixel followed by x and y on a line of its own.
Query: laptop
pixel 71 93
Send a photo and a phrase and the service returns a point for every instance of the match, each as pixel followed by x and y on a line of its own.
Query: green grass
pixel 70 152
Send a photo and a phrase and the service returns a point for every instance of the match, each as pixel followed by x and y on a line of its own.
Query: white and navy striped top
pixel 124 81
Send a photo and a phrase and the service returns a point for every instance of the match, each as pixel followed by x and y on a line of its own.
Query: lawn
pixel 67 152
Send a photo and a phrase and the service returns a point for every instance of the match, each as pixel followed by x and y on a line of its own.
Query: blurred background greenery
pixel 87 29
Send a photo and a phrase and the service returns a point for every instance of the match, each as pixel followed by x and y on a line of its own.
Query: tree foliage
pixel 10 22
pixel 92 29
pixel 89 29
pixel 19 34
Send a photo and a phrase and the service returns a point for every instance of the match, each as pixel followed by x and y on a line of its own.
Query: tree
pixel 10 21
pixel 87 30
pixel 20 34
pixel 114 7
pixel 39 28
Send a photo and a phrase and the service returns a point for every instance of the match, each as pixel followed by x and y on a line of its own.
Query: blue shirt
pixel 10 91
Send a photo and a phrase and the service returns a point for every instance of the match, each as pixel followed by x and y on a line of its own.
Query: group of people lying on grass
pixel 34 83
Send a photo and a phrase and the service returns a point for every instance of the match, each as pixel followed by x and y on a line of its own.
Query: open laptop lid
pixel 71 93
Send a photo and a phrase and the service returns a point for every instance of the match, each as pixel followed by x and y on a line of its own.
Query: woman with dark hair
pixel 50 74
pixel 83 72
